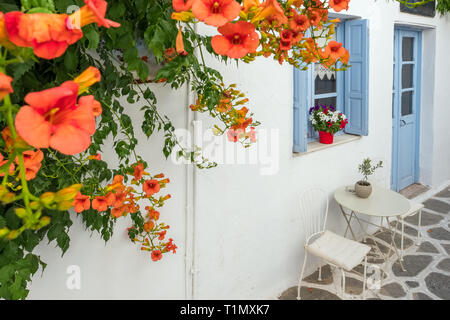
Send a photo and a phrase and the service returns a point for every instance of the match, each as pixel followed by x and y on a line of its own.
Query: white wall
pixel 248 236
pixel 119 269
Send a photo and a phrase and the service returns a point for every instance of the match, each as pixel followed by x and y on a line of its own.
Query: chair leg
pixel 419 238
pixel 403 235
pixel 320 273
pixel 301 276
pixel 343 284
pixel 365 278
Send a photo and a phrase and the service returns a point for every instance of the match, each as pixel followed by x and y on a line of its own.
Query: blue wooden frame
pixel 340 29
pixel 303 86
pixel 417 85
pixel 357 77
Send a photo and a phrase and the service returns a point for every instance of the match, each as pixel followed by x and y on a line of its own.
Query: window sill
pixel 338 140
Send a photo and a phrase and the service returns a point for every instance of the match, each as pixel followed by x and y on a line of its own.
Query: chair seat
pixel 414 208
pixel 340 251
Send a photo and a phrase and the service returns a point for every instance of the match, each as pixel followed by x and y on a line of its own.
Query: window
pixel 326 87
pixel 348 90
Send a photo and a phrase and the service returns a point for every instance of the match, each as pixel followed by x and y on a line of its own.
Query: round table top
pixel 381 203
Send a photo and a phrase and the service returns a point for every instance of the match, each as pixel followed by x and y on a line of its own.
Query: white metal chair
pixel 338 251
pixel 416 208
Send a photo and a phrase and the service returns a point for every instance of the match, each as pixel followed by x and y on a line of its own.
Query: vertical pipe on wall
pixel 188 208
pixel 191 200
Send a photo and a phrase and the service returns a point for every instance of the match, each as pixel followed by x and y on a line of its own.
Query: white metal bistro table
pixel 382 203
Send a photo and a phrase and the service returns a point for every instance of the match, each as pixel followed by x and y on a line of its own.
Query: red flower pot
pixel 325 137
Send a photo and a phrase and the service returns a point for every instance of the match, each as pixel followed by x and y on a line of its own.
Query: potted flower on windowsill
pixel 328 121
pixel 363 188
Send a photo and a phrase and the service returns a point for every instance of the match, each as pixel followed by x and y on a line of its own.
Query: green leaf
pixel 8 5
pixel 63 241
pixel 12 221
pixel 54 231
pixel 6 273
pixel 40 10
pixel 18 289
pixel 71 58
pixel 92 36
pixel 2 222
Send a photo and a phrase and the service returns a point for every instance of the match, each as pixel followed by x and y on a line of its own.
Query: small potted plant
pixel 363 188
pixel 327 121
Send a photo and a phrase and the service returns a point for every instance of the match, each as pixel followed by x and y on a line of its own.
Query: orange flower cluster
pixel 154 235
pixel 32 162
pixel 32 159
pixel 232 113
pixel 282 28
pixel 119 200
pixel 50 34
pixel 54 116
pixel 283 33
pixel 151 233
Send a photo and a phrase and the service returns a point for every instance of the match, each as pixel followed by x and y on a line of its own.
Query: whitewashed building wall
pixel 237 227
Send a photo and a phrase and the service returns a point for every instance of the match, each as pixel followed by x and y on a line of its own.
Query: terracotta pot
pixel 363 189
pixel 325 137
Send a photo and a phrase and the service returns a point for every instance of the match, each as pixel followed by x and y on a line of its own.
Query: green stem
pixel 62 165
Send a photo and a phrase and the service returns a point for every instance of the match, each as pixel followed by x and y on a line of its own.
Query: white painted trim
pixel 409 24
pixel 338 140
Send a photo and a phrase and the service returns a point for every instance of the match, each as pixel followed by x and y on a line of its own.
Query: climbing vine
pixel 71 73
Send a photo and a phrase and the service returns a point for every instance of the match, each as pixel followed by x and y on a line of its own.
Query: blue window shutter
pixel 357 77
pixel 301 105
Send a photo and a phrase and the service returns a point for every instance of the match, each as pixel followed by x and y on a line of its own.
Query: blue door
pixel 405 108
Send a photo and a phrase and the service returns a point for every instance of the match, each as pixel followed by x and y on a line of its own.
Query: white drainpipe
pixel 191 201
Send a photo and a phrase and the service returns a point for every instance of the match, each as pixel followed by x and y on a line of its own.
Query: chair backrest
pixel 313 210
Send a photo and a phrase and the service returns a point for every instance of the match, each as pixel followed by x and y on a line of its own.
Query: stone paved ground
pixel 427 265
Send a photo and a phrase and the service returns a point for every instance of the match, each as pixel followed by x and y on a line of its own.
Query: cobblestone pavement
pixel 426 260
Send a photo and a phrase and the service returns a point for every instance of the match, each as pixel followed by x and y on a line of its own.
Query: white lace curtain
pixel 322 72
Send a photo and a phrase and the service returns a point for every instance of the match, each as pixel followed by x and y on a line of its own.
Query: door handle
pixel 402 123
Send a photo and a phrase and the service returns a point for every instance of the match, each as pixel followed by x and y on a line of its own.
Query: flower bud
pixel 44 221
pixel 184 16
pixel 65 205
pixel 34 205
pixel 86 79
pixel 47 198
pixel 20 212
pixel 8 198
pixel 13 234
pixel 3 191
pixel 3 232
pixel 68 193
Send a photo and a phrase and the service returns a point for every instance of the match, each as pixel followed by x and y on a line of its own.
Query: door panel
pixel 405 108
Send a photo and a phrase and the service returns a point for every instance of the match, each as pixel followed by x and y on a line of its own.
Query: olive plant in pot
pixel 363 188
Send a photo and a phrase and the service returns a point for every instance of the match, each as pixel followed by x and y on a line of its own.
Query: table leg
pixel 348 223
pixel 393 245
pixel 366 235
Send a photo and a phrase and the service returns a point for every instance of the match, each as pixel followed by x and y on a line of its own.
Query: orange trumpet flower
pixel 339 5
pixel 216 12
pixel 52 118
pixel 271 9
pixel 237 40
pixel 180 44
pixel 182 5
pixel 93 11
pixel 47 34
